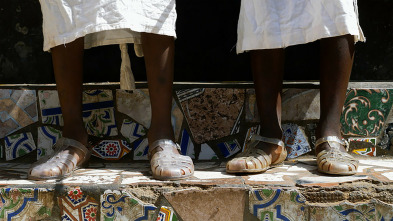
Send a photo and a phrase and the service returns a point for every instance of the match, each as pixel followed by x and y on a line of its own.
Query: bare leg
pixel 335 68
pixel 159 60
pixel 268 70
pixel 68 68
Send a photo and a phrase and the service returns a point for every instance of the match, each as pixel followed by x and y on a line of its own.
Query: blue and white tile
pixel 251 131
pixel 343 211
pixel 132 130
pixel 47 137
pixel 229 148
pixel 18 145
pixel 111 149
pixel 18 109
pixel 121 205
pixel 277 204
pixel 207 153
pixel 98 113
pixel 295 140
pixel 141 148
pixel 383 211
pixel 186 145
pixel 26 203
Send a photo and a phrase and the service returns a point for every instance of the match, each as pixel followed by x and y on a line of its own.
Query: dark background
pixel 205 48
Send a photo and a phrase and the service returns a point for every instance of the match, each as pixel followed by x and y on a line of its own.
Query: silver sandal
pixel 334 161
pixel 168 163
pixel 59 164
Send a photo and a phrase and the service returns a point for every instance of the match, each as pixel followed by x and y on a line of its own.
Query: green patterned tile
pixel 365 111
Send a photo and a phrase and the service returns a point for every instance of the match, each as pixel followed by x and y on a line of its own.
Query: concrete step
pixel 126 191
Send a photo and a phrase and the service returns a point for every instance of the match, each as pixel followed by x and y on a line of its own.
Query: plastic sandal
pixel 334 161
pixel 59 164
pixel 255 160
pixel 168 163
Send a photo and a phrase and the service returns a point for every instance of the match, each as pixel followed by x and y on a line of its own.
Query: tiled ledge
pixel 126 190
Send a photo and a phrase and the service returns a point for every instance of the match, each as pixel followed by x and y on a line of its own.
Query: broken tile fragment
pixel 18 145
pixel 211 113
pixel 229 148
pixel 132 130
pixel 251 131
pixel 47 137
pixel 76 205
pixel 207 153
pixel 18 109
pixel 186 145
pixel 141 148
pixel 111 149
pixel 295 140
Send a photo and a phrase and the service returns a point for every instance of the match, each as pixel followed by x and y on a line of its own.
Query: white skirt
pixel 104 22
pixel 269 24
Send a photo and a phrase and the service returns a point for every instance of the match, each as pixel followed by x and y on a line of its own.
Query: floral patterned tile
pixel 207 153
pixel 75 206
pixel 18 145
pixel 277 204
pixel 186 145
pixel 25 203
pixel 111 149
pixel 98 111
pixel 120 205
pixel 47 137
pixel 212 113
pixel 229 148
pixel 132 130
pixel 141 148
pixel 18 109
pixel 295 140
pixel 365 111
pixel 343 211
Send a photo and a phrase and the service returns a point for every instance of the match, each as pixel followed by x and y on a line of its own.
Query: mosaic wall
pixel 209 123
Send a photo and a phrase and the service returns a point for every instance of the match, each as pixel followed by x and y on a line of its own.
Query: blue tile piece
pixel 229 148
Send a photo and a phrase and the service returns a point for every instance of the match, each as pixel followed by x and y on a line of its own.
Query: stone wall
pixel 204 48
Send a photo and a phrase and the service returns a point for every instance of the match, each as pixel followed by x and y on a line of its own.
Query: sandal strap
pixel 332 139
pixel 255 139
pixel 164 144
pixel 63 143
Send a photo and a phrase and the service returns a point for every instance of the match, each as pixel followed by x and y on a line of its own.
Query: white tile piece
pixel 388 175
pixel 207 153
pixel 361 168
pixel 266 177
pixel 212 175
pixel 379 163
pixel 101 179
pixel 331 179
pixel 139 179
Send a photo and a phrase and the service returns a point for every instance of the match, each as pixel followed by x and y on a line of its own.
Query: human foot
pixel 261 152
pixel 68 155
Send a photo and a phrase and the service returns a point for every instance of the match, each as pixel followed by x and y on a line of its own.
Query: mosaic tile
pixel 251 110
pixel 280 204
pixel 251 131
pixel 212 113
pixel 229 148
pixel 343 211
pixel 186 145
pixel 98 111
pixel 18 109
pixel 132 130
pixel 47 137
pixel 300 104
pixel 136 104
pixel 370 151
pixel 295 140
pixel 50 107
pixel 166 214
pixel 111 149
pixel 383 211
pixel 141 148
pixel 25 203
pixel 207 153
pixel 120 205
pixel 75 206
pixel 18 145
pixel 372 140
pixel 365 111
